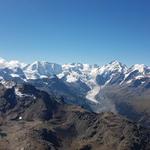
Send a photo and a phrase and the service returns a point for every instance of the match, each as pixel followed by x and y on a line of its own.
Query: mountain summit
pixel 74 106
pixel 97 88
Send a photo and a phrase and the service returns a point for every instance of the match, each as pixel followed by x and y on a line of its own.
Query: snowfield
pixel 93 76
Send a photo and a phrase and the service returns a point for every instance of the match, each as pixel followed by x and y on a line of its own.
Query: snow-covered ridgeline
pixel 94 76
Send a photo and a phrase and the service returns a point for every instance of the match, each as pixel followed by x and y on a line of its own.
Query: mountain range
pixel 47 106
pixel 113 87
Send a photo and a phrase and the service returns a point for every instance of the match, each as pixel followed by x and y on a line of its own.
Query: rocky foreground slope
pixel 32 119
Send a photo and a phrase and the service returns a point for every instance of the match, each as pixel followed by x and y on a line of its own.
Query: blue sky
pixel 65 31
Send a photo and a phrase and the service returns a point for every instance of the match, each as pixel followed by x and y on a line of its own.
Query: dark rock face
pixel 31 104
pixel 75 129
pixel 134 73
pixel 147 85
pixel 101 79
pixel 34 119
pixel 7 99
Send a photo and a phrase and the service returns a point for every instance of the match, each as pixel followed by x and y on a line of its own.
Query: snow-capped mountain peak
pixel 113 66
pixel 91 75
pixel 139 67
pixel 87 80
pixel 40 69
pixel 11 64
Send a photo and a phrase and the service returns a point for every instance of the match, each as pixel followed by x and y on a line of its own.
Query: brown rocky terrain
pixel 32 119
